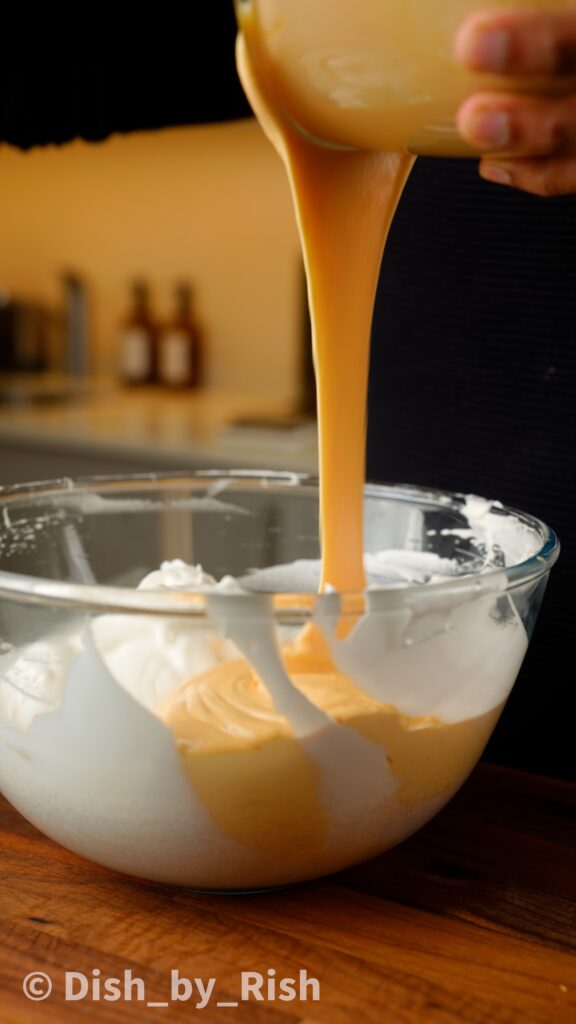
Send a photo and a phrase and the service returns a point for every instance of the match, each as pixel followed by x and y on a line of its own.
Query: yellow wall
pixel 206 203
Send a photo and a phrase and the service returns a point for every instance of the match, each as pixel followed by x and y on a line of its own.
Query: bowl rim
pixel 101 598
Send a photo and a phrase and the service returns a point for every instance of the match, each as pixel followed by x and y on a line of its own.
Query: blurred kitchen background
pixel 152 308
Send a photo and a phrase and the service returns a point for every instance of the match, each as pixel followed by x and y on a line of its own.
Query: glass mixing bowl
pixel 373 74
pixel 253 733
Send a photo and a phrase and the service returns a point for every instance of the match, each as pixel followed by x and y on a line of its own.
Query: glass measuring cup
pixel 373 74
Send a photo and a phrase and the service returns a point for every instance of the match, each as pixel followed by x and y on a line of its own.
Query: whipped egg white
pixel 227 751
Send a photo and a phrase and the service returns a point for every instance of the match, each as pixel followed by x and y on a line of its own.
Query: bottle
pixel 76 324
pixel 180 350
pixel 138 339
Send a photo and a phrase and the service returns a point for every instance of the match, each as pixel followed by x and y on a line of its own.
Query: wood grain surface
pixel 472 921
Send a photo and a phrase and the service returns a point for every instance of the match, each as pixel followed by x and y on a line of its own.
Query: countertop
pixel 471 921
pixel 206 428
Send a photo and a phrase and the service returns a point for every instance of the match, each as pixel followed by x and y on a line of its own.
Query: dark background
pixel 473 388
pixel 473 375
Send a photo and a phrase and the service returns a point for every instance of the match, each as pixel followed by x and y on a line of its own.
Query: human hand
pixel 529 140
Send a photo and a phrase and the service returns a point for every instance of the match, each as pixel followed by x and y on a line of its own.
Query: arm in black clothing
pixel 176 70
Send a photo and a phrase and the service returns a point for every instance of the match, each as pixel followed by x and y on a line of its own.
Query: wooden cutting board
pixel 472 921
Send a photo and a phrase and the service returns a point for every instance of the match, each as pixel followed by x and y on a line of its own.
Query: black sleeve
pixel 60 81
pixel 473 388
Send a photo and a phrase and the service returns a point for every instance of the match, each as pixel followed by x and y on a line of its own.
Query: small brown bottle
pixel 138 339
pixel 180 349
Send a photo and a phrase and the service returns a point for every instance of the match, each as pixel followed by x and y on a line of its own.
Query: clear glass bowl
pixel 374 74
pixel 227 738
